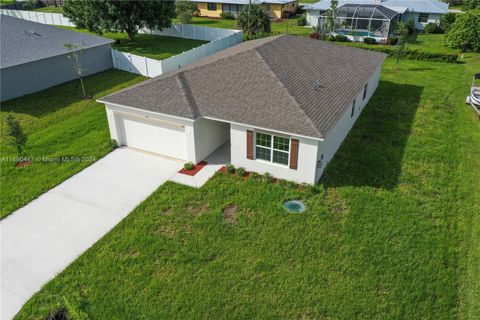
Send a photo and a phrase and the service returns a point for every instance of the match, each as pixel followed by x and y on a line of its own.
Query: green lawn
pixel 50 9
pixel 58 123
pixel 277 27
pixel 392 232
pixel 152 46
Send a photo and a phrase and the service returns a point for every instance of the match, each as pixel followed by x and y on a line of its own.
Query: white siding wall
pixel 307 157
pixel 209 136
pixel 312 17
pixel 332 142
pixel 432 17
pixel 114 112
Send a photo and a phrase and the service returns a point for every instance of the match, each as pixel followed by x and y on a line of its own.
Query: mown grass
pixel 147 45
pixel 58 123
pixel 392 231
pixel 51 9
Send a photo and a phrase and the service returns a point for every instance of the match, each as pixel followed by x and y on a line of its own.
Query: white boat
pixel 474 98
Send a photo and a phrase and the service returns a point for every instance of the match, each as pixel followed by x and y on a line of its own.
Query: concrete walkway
pixel 215 160
pixel 42 238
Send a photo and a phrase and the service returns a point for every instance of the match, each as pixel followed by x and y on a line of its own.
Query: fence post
pixel 146 66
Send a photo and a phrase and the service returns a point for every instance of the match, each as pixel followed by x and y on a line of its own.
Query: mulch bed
pixel 23 164
pixel 197 167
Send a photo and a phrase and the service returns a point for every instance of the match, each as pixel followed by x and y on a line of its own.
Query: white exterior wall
pixel 332 142
pixel 114 112
pixel 307 157
pixel 432 17
pixel 209 136
pixel 312 17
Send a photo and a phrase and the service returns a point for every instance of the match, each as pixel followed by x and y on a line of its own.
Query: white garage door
pixel 154 136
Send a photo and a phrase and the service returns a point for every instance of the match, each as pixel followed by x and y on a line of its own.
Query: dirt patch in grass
pixel 336 204
pixel 230 213
pixel 197 209
pixel 167 212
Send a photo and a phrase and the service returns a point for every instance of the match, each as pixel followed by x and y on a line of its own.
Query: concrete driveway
pixel 42 238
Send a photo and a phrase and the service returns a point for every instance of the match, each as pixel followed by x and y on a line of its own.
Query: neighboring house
pixel 33 56
pixel 423 11
pixel 285 103
pixel 274 8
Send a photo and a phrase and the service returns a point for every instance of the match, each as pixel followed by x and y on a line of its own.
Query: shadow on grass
pixel 372 153
pixel 63 95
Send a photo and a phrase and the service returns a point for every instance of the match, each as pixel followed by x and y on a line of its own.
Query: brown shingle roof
pixel 283 83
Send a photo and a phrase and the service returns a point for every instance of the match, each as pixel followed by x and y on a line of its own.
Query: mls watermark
pixel 43 159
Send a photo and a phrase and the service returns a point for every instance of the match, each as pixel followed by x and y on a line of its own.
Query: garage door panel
pixel 154 136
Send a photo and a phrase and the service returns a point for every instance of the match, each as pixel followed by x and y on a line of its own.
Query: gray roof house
pixel 33 56
pixel 283 103
pixel 422 11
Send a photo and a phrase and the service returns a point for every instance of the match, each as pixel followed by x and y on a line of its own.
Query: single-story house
pixel 423 11
pixel 274 8
pixel 285 103
pixel 33 56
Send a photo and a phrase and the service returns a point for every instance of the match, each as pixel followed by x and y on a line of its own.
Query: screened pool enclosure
pixel 361 20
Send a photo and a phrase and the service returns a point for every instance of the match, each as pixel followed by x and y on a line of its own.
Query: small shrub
pixel 341 38
pixel 302 21
pixel 59 313
pixel 369 40
pixel 267 177
pixel 330 38
pixel 18 138
pixel 230 168
pixel 184 10
pixel 315 35
pixel 254 176
pixel 392 41
pixel 227 15
pixel 188 166
pixel 411 25
pixel 240 172
pixel 432 28
pixel 113 144
pixel 447 20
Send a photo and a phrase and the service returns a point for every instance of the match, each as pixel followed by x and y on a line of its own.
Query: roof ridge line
pixel 190 99
pixel 295 102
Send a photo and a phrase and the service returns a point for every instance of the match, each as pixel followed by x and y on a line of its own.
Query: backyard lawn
pixel 58 123
pixel 151 46
pixel 50 9
pixel 392 231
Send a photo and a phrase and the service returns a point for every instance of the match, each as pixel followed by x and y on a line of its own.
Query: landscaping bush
pixel 315 35
pixel 341 38
pixel 392 41
pixel 240 172
pixel 432 27
pixel 254 176
pixel 267 177
pixel 330 38
pixel 464 33
pixel 302 21
pixel 188 166
pixel 411 25
pixel 414 54
pixel 471 4
pixel 184 10
pixel 113 144
pixel 369 40
pixel 446 21
pixel 230 168
pixel 227 15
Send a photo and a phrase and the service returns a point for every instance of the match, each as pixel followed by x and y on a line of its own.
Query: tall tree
pixel 120 16
pixel 332 15
pixel 185 10
pixel 465 31
pixel 253 20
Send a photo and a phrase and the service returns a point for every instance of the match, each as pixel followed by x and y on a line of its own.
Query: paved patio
pixel 215 160
pixel 44 237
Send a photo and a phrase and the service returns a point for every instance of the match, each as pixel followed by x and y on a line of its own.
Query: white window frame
pixel 423 15
pixel 272 148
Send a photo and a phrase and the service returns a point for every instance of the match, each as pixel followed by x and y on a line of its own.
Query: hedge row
pixel 414 54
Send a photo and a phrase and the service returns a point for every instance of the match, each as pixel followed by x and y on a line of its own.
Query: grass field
pixel 151 46
pixel 58 123
pixel 392 231
pixel 50 9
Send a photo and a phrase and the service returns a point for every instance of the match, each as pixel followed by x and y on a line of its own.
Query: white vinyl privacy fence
pixel 56 19
pixel 220 39
pixel 152 68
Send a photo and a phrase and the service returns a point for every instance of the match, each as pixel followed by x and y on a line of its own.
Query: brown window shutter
pixel 294 154
pixel 249 144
